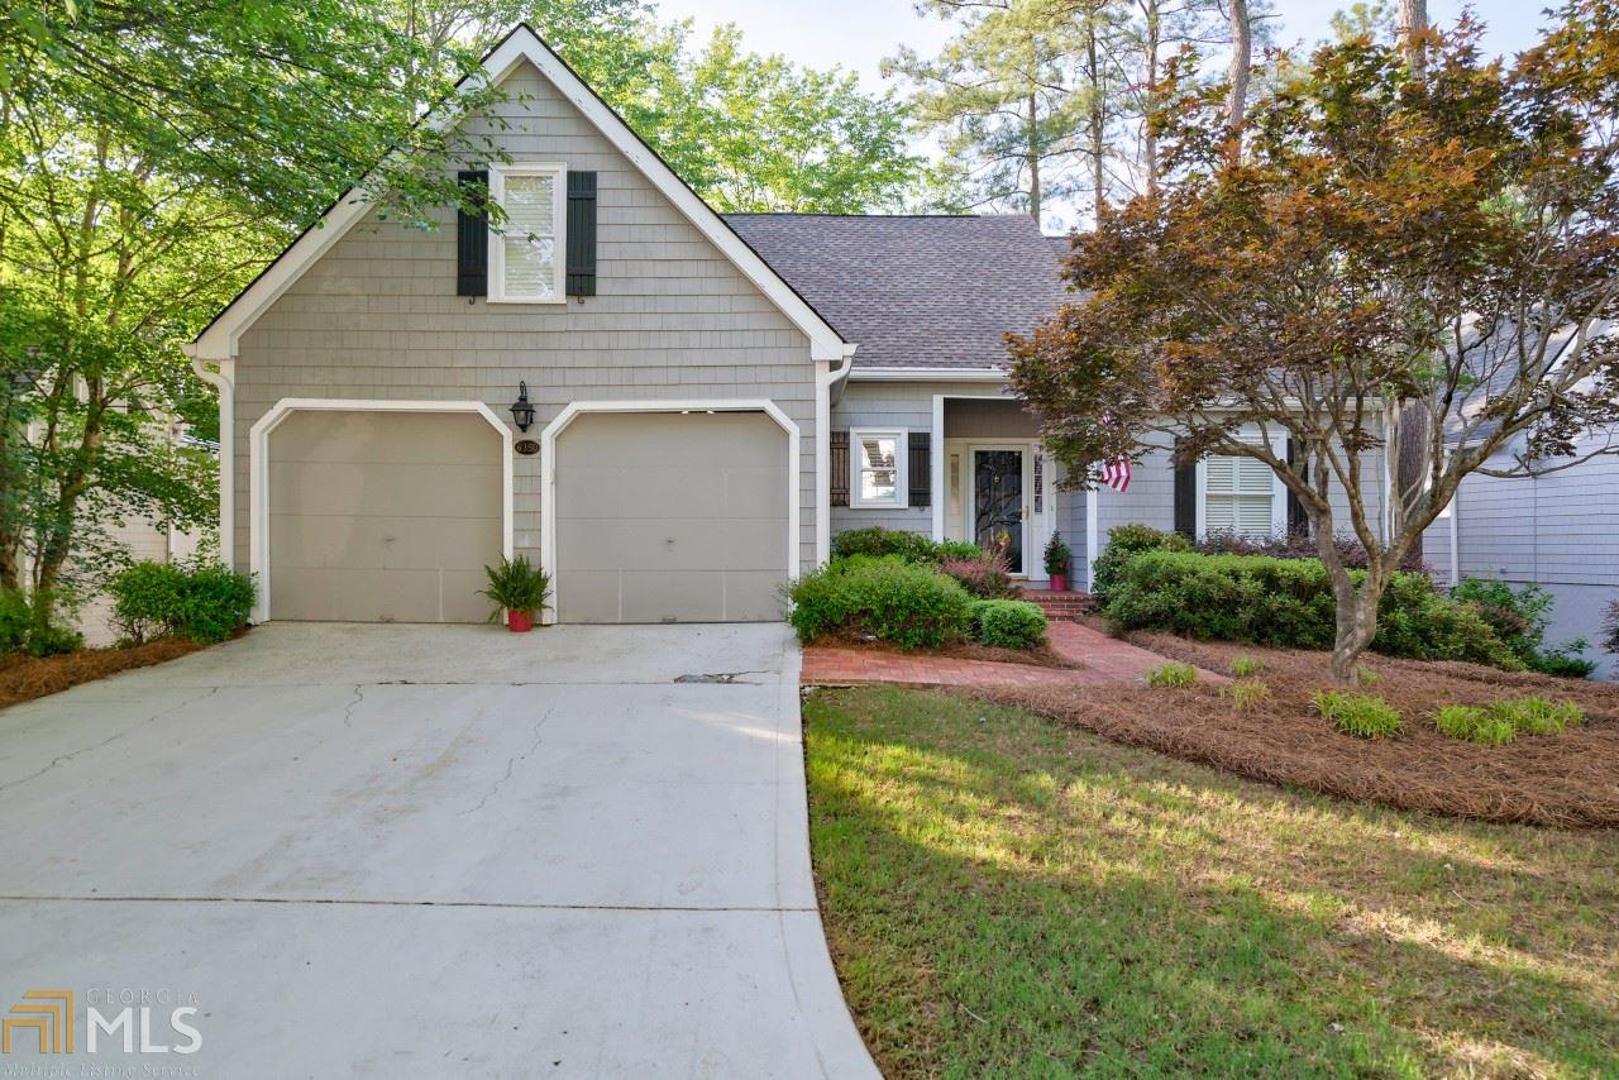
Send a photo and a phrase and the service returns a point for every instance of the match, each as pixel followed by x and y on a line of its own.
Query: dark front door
pixel 998 503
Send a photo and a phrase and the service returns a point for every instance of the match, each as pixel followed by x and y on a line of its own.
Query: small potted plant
pixel 519 589
pixel 1057 559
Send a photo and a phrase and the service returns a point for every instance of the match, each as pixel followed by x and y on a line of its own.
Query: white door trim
pixel 258 471
pixel 548 460
pixel 936 450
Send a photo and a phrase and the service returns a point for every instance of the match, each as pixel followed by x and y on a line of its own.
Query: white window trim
pixel 497 240
pixel 1278 492
pixel 902 453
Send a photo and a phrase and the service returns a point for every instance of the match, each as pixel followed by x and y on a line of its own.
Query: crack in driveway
pixel 62 759
pixel 511 764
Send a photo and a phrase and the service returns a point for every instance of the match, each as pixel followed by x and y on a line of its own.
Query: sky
pixel 857 34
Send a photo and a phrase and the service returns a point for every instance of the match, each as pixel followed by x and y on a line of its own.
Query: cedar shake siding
pixel 378 317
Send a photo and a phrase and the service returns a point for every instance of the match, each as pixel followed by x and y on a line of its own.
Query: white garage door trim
pixel 548 458
pixel 258 466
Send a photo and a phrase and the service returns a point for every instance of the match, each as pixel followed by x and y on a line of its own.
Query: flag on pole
pixel 1116 474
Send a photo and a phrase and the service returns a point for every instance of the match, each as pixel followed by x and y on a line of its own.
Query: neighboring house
pixel 712 398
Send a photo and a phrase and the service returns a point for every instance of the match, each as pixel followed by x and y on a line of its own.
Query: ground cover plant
pixel 1006 896
pixel 1571 779
pixel 1365 715
pixel 1171 675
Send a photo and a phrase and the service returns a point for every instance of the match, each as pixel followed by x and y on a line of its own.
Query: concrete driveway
pixel 423 851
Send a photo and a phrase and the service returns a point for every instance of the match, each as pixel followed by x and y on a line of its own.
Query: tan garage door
pixel 671 517
pixel 383 516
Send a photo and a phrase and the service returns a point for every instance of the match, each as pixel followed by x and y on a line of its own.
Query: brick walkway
pixel 1107 662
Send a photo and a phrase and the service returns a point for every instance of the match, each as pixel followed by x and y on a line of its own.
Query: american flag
pixel 1116 474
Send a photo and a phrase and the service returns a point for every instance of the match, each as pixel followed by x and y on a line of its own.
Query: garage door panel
pixel 382 516
pixel 402 543
pixel 431 490
pixel 665 517
pixel 407 438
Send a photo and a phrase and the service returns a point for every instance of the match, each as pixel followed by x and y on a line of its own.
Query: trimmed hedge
pixel 205 602
pixel 887 598
pixel 1124 543
pixel 912 547
pixel 1009 624
pixel 1289 603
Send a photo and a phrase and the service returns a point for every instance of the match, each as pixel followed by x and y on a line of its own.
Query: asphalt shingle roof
pixel 926 291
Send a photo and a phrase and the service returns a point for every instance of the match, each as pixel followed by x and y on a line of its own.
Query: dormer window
pixel 526 258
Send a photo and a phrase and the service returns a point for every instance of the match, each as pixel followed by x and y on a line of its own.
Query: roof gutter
pixel 928 374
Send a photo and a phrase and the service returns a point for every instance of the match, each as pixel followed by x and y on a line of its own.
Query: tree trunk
pixel 1413 21
pixel 1241 60
pixel 1356 627
pixel 1149 140
pixel 1034 156
pixel 1096 116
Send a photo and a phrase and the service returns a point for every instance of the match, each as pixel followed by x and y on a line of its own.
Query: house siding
pixel 1560 531
pixel 377 317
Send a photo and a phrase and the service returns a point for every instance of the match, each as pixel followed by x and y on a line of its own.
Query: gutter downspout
pixel 224 380
pixel 829 386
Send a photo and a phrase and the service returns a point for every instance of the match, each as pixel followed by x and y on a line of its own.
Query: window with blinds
pixel 1238 496
pixel 529 249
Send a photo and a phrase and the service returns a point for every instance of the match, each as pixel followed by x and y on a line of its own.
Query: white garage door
pixel 671 517
pixel 383 516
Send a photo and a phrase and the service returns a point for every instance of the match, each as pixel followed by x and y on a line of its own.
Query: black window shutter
pixel 919 468
pixel 1298 523
pixel 1186 499
pixel 839 467
pixel 472 238
pixel 581 234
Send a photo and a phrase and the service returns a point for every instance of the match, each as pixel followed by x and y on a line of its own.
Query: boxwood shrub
pixel 203 602
pixel 1289 603
pixel 884 597
pixel 910 546
pixel 1124 543
pixel 1009 624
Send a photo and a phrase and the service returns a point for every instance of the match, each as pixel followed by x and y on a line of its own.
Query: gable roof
pixel 926 291
pixel 521 44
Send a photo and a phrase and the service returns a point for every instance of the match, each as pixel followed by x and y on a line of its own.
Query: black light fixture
pixel 522 410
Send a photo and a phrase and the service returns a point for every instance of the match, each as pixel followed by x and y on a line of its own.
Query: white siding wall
pixel 377 317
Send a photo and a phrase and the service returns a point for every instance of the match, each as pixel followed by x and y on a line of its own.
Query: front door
pixel 998 503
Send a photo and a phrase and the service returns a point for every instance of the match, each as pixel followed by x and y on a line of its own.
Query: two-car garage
pixel 387 512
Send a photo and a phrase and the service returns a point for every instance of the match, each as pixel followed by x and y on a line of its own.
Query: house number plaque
pixel 526 446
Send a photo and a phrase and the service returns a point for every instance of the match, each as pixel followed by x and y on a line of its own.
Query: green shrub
pixel 1244 666
pixel 1058 556
pixel 1009 624
pixel 956 549
pixel 886 598
pixel 204 602
pixel 878 542
pixel 1124 543
pixel 517 585
pixel 1364 715
pixel 1535 715
pixel 1172 675
pixel 15 619
pixel 1289 603
pixel 53 640
pixel 1246 694
pixel 1474 724
pixel 1519 618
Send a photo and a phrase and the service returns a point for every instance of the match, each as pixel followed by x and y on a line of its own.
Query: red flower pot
pixel 519 622
pixel 1059 582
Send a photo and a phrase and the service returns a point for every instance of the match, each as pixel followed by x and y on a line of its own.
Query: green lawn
pixel 1007 896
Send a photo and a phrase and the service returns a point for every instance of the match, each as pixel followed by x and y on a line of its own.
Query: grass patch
pixel 1009 896
pixel 1364 715
pixel 1535 715
pixel 1246 694
pixel 1244 667
pixel 1172 675
pixel 1475 724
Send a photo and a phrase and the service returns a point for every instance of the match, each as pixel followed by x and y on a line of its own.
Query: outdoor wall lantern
pixel 522 409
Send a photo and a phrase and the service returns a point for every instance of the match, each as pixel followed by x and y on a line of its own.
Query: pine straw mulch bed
pixel 1044 656
pixel 23 678
pixel 1569 780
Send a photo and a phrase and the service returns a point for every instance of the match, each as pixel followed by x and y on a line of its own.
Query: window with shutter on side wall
pixel 526 259
pixel 1239 496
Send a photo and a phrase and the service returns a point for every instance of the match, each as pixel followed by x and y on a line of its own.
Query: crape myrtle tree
pixel 1390 244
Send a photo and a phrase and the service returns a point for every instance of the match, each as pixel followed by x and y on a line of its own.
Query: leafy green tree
pixel 1436 245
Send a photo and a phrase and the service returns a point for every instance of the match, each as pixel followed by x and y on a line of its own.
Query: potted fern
pixel 518 588
pixel 1057 559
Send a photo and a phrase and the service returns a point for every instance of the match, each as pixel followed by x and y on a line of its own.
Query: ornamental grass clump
pixel 1535 715
pixel 1173 675
pixel 1246 694
pixel 1475 724
pixel 1244 666
pixel 1364 715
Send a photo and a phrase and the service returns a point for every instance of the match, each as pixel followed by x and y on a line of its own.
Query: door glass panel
pixel 998 503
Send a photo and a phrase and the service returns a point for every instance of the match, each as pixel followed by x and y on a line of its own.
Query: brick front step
pixel 1059 606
